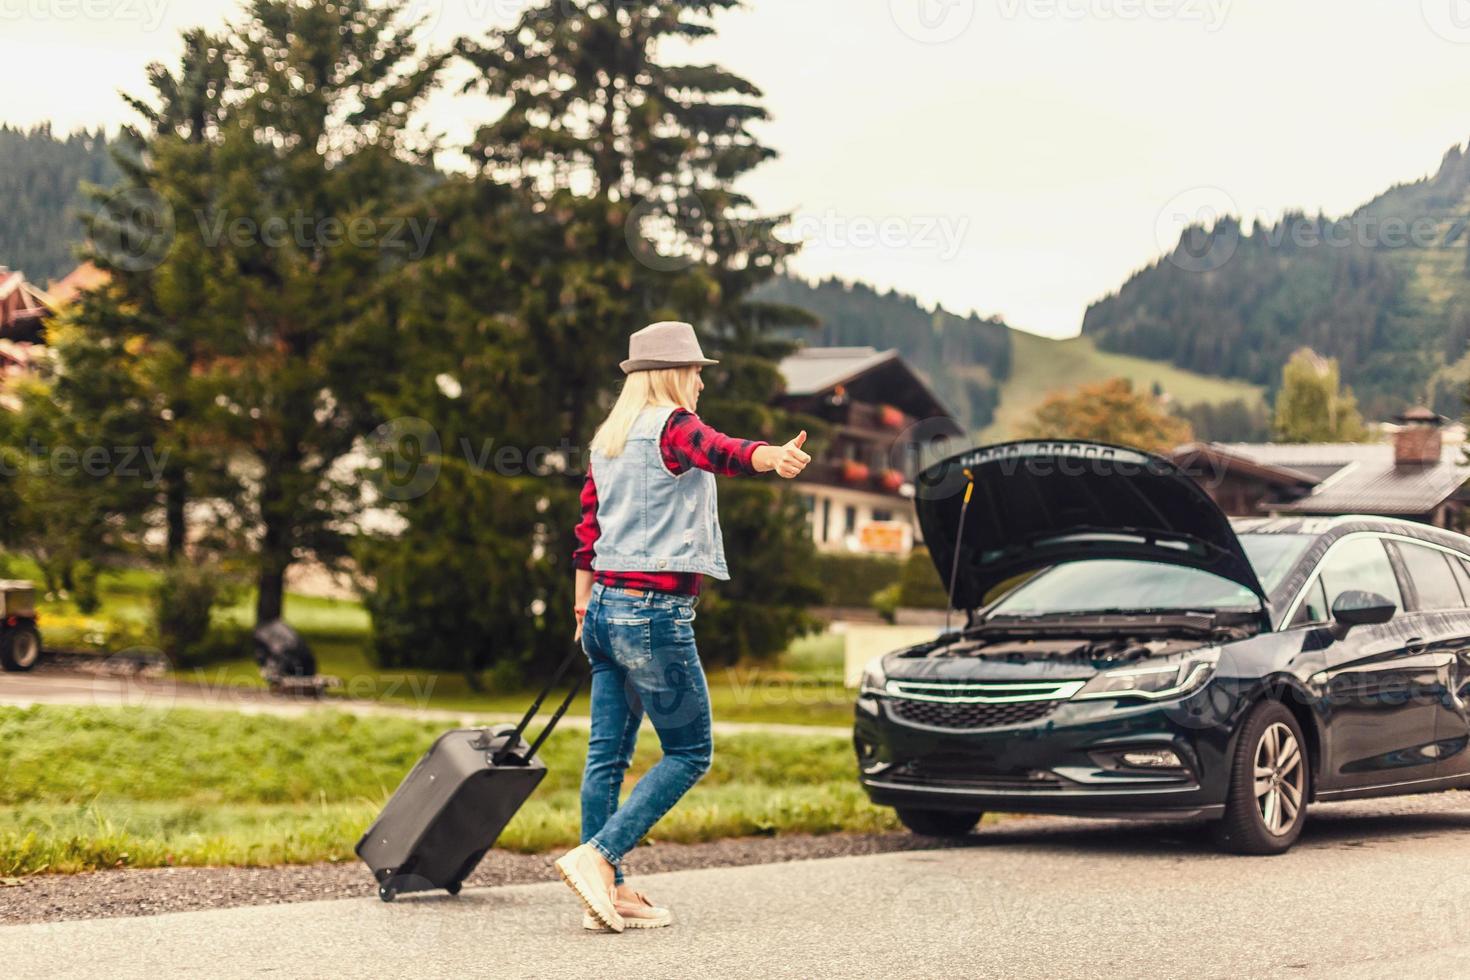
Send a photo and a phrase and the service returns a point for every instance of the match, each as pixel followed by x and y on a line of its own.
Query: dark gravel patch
pixel 150 891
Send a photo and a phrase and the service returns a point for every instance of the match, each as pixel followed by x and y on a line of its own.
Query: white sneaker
pixel 579 869
pixel 638 913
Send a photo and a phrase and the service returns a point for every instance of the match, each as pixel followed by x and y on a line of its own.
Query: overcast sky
pixel 1018 157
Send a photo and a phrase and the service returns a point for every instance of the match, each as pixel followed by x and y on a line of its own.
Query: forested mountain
pixel 993 377
pixel 1273 295
pixel 964 358
pixel 40 177
pixel 1385 290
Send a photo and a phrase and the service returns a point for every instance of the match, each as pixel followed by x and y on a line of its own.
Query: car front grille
pixel 969 715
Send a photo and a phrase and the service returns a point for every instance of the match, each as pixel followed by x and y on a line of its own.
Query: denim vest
pixel 650 520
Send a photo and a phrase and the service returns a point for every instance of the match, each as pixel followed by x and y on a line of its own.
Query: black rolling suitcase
pixel 453 804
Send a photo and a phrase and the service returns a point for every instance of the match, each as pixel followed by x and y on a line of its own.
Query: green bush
pixel 479 579
pixel 851 580
pixel 84 587
pixel 183 603
pixel 920 586
pixel 887 600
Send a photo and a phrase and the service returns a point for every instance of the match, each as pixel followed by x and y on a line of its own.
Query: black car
pixel 1157 660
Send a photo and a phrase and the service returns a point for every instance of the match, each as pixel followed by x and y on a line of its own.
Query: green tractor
pixel 20 640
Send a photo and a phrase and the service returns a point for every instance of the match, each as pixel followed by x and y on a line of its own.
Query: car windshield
pixel 1117 584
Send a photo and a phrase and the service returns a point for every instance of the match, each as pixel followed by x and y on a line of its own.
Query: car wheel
pixel 20 647
pixel 939 823
pixel 1269 784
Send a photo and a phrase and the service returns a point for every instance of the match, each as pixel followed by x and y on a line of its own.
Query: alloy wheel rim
pixel 25 650
pixel 1280 778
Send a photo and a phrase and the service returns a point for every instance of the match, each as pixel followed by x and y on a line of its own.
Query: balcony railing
pixel 856 476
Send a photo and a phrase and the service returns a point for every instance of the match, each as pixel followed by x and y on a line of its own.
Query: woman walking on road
pixel 650 529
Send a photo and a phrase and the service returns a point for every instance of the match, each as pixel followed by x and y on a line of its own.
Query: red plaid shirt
pixel 687 443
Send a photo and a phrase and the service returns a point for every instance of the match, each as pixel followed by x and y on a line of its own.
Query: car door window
pixel 1362 564
pixel 1314 606
pixel 1462 575
pixel 1429 571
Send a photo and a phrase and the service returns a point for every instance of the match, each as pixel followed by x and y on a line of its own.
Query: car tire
pixel 939 823
pixel 1270 783
pixel 20 647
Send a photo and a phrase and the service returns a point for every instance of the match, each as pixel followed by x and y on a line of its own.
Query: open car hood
pixel 1040 503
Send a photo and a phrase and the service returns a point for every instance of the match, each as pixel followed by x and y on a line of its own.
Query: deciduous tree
pixel 1312 405
pixel 1108 411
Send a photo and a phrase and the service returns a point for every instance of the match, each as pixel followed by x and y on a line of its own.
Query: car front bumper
pixel 1067 762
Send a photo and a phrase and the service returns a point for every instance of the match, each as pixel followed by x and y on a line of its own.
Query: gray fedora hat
pixel 666 344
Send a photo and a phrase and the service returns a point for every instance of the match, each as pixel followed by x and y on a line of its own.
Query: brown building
pixel 1416 475
pixel 23 308
pixel 857 489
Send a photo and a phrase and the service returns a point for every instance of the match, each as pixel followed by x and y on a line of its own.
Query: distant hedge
pixel 920 584
pixel 851 580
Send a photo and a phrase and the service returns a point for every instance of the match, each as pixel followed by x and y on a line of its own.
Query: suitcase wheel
pixel 454 887
pixel 387 892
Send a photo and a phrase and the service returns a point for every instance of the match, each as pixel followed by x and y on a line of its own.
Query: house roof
pixel 813 370
pixel 1361 478
pixel 817 370
pixel 22 305
pixel 1187 455
pixel 79 280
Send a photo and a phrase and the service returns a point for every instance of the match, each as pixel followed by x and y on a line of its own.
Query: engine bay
pixel 1100 653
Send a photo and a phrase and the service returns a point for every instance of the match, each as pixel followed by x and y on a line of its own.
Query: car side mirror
pixel 1358 608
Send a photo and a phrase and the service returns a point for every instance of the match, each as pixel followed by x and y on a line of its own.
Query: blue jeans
pixel 643 660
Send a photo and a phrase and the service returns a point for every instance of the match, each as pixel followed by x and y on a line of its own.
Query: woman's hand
pixel 788 461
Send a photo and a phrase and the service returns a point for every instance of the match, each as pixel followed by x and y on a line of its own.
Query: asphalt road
pixel 1374 889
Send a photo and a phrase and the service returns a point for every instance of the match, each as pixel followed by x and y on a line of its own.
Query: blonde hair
pixel 664 386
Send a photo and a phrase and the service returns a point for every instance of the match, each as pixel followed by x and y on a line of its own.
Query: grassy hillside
pixel 1385 290
pixel 1039 365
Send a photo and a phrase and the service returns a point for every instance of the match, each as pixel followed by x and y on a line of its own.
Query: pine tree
pixel 319 163
pixel 603 200
pixel 153 316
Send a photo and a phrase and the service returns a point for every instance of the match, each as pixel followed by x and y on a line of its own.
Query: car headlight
pixel 1154 683
pixel 874 679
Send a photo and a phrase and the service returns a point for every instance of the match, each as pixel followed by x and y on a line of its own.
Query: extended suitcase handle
pixel 514 738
